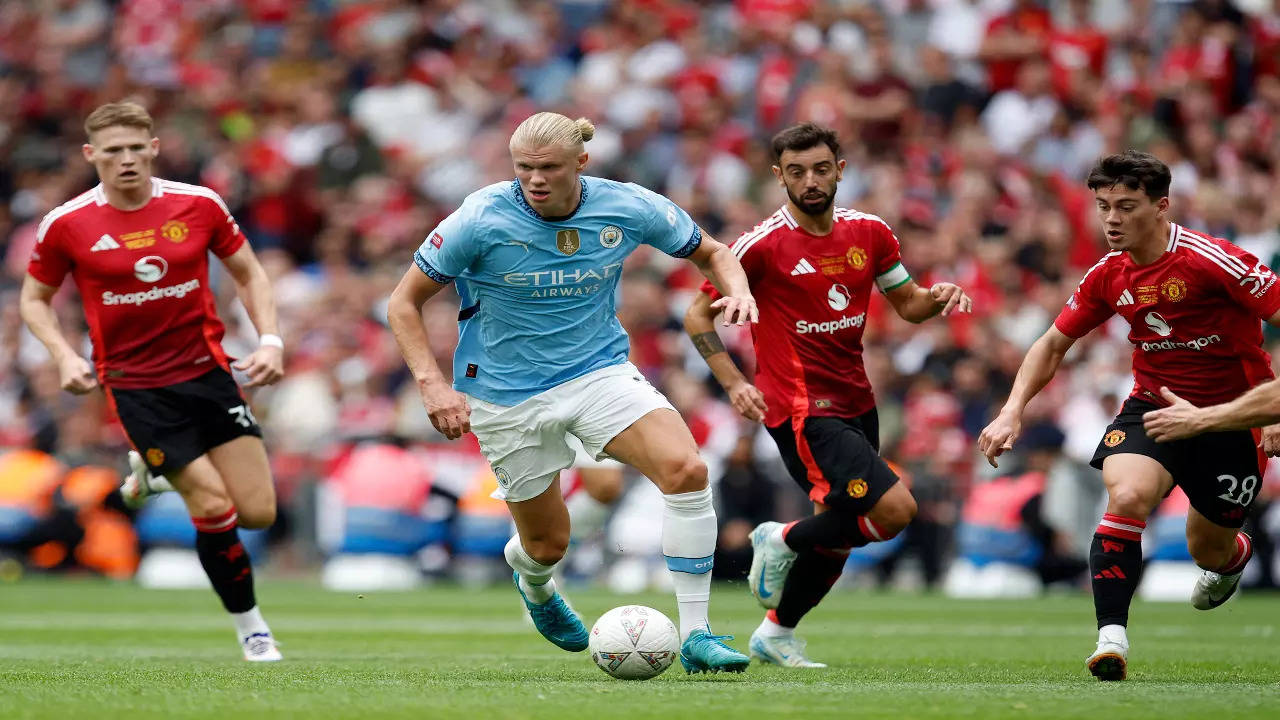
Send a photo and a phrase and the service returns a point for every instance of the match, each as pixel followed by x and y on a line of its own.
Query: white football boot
pixel 784 651
pixel 769 565
pixel 1213 589
pixel 260 647
pixel 140 484
pixel 1111 660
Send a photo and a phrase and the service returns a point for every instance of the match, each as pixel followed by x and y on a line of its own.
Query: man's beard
pixel 813 207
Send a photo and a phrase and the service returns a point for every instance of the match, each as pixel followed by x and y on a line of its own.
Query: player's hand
pixel 449 411
pixel 1180 420
pixel 999 436
pixel 264 366
pixel 951 297
pixel 737 309
pixel 76 375
pixel 1271 440
pixel 748 401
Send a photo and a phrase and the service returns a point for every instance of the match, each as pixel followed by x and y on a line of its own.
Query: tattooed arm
pixel 699 323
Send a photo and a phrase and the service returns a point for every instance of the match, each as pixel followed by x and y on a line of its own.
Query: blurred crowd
pixel 341 131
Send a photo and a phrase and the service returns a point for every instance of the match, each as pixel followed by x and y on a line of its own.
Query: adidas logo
pixel 803 268
pixel 106 242
pixel 1114 572
pixel 1126 298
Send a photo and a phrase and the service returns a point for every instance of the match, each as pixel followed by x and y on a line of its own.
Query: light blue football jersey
pixel 539 296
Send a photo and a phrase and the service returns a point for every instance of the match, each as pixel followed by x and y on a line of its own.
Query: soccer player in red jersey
pixel 137 247
pixel 1193 303
pixel 812 267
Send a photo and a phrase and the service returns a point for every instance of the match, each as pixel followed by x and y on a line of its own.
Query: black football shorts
pixel 175 424
pixel 836 460
pixel 1221 472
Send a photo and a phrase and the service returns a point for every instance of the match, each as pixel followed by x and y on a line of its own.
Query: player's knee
pixel 892 515
pixel 257 516
pixel 903 511
pixel 683 476
pixel 1209 553
pixel 1129 503
pixel 546 549
pixel 205 503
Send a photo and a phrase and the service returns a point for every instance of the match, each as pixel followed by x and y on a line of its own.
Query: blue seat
pixel 15 523
pixel 388 532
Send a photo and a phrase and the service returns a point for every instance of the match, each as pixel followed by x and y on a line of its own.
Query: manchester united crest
pixel 174 231
pixel 567 241
pixel 1113 438
pixel 857 257
pixel 857 488
pixel 1173 289
pixel 155 457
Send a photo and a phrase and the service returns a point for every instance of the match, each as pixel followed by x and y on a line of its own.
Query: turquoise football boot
pixel 556 621
pixel 704 652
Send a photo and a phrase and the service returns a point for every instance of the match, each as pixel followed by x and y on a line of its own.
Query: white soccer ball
pixel 634 642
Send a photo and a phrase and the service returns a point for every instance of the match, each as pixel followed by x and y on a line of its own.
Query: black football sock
pixel 225 561
pixel 809 580
pixel 1115 561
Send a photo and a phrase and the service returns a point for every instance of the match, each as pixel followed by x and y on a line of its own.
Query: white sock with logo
pixel 689 544
pixel 535 578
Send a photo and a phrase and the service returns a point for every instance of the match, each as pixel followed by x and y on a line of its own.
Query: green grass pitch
pixel 97 650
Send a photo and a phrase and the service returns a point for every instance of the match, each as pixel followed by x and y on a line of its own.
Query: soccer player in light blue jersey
pixel 541 355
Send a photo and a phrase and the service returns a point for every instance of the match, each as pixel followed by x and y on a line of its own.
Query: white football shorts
pixel 526 444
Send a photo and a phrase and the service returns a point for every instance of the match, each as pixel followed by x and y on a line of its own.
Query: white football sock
pixel 689 544
pixel 159 484
pixel 771 629
pixel 250 622
pixel 587 516
pixel 1114 633
pixel 535 578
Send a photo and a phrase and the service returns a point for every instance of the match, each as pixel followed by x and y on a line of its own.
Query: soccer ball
pixel 634 642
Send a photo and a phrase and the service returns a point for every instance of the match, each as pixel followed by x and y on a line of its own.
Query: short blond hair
pixel 128 114
pixel 552 129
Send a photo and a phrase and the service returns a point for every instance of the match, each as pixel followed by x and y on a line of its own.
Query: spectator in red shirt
pixel 1077 51
pixel 1012 38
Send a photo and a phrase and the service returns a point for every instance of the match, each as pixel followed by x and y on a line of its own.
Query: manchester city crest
pixel 611 236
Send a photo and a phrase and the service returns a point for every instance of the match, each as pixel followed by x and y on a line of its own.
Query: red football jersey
pixel 812 292
pixel 143 277
pixel 1193 315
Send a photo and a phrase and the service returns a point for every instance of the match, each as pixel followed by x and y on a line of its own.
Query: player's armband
pixel 894 277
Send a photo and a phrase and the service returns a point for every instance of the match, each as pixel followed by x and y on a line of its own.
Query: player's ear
pixel 840 170
pixel 155 146
pixel 87 150
pixel 582 161
pixel 1162 205
pixel 777 172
